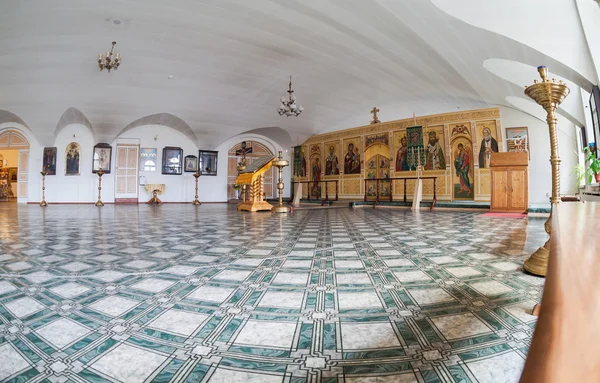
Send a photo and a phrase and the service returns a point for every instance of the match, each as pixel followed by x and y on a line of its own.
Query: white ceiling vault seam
pixel 230 61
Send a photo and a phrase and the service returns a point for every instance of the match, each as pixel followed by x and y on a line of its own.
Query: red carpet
pixel 504 215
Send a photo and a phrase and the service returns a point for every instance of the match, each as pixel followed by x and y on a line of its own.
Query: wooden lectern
pixel 252 176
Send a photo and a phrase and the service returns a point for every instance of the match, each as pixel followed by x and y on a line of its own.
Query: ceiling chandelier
pixel 108 61
pixel 288 106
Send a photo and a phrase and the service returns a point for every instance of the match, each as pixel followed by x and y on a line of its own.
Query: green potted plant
pixel 593 170
pixel 579 171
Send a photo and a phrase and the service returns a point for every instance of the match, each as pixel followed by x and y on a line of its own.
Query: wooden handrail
pixel 566 343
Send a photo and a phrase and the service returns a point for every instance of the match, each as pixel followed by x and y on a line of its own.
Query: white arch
pixel 165 119
pixel 72 116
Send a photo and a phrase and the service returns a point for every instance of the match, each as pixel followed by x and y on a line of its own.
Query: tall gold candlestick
pixel 549 94
pixel 280 163
pixel 43 203
pixel 99 203
pixel 195 201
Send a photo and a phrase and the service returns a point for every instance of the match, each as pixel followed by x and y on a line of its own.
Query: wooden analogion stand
pixel 252 176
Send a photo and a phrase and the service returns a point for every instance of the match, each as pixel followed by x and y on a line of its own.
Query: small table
pixel 155 189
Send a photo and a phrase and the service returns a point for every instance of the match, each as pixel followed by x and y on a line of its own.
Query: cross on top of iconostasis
pixel 375 119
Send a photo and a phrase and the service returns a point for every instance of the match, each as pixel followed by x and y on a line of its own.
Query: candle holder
pixel 195 201
pixel 240 168
pixel 99 203
pixel 43 203
pixel 280 163
pixel 549 94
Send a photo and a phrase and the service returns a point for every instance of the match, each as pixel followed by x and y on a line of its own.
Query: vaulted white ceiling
pixel 230 61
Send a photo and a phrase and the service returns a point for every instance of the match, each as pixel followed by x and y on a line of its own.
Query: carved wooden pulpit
pixel 253 176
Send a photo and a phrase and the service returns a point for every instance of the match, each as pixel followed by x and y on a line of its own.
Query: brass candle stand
pixel 99 203
pixel 549 94
pixel 195 201
pixel 280 163
pixel 43 203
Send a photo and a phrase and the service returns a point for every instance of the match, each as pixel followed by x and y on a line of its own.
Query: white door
pixel 22 176
pixel 126 185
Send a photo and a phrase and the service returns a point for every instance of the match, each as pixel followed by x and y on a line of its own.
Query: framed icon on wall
pixel 49 161
pixel 102 158
pixel 207 162
pixel 190 164
pixel 172 160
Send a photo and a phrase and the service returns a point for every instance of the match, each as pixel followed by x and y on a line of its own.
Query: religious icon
pixel 331 163
pixel 72 162
pixel 102 158
pixel 434 153
pixel 462 165
pixel 49 161
pixel 299 162
pixel 402 156
pixel 517 139
pixel 190 164
pixel 488 145
pixel 207 161
pixel 316 176
pixel 352 160
pixel 172 160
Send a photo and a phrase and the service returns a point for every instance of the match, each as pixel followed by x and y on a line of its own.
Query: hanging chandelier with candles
pixel 108 60
pixel 288 106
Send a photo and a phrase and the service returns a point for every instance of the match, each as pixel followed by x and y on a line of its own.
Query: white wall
pixel 179 188
pixel 61 188
pixel 540 178
pixel 84 188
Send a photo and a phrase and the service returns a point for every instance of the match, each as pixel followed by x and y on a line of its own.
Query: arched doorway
pixel 258 150
pixel 14 148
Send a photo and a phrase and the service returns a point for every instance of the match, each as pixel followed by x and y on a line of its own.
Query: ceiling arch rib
pixel 73 116
pixel 8 117
pixel 165 119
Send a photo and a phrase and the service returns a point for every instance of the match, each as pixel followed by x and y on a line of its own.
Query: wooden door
pixel 500 189
pixel 126 185
pixel 517 182
pixel 22 176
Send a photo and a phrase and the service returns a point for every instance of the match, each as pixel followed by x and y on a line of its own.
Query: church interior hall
pixel 314 191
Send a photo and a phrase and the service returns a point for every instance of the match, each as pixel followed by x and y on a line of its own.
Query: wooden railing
pixel 391 195
pixel 317 183
pixel 566 342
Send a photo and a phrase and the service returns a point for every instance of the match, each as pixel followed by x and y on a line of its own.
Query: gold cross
pixel 375 119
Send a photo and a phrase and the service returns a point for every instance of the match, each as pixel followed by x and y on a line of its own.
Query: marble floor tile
pixel 234 376
pixel 503 368
pixel 430 296
pixel 11 362
pixel 23 307
pixel 129 364
pixel 491 288
pixel 358 300
pixel 153 285
pixel 289 299
pixel 62 332
pixel 260 299
pixel 373 335
pixel 267 333
pixel 460 326
pixel 113 305
pixel 178 322
pixel 291 278
pixel 212 293
pixel 70 290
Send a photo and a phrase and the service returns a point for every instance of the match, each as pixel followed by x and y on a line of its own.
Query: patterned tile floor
pixel 183 294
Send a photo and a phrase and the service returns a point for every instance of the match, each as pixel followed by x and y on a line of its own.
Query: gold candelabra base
pixel 43 203
pixel 196 202
pixel 280 163
pixel 99 203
